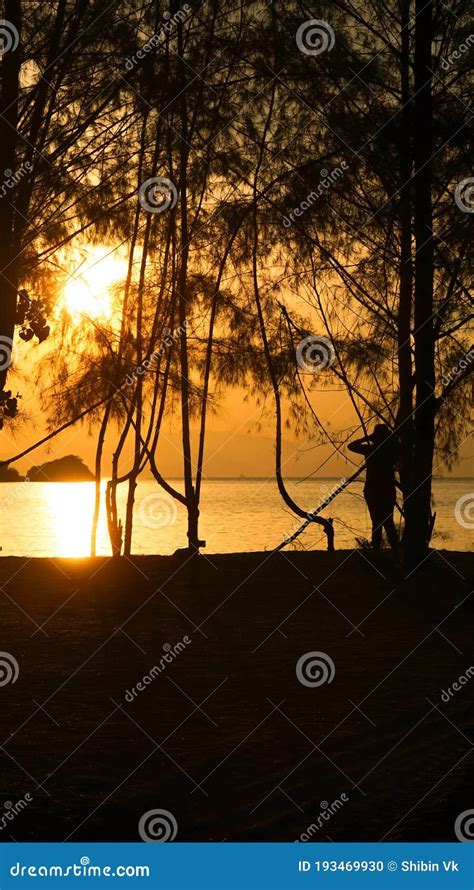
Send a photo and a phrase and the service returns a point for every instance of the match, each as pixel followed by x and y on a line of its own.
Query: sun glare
pixel 89 290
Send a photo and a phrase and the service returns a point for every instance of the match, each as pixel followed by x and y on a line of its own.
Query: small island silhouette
pixel 70 468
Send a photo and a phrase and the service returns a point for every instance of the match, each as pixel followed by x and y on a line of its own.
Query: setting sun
pixel 89 291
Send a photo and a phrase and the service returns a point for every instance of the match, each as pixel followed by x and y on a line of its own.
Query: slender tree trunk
pixel 419 521
pixel 183 298
pixel 98 471
pixel 114 524
pixel 10 72
pixel 405 371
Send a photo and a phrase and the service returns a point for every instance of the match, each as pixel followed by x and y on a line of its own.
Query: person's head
pixel 380 433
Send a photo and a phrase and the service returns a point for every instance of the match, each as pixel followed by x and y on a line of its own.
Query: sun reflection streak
pixel 70 506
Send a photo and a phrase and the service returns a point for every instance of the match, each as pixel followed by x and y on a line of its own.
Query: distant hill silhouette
pixel 70 468
pixel 9 474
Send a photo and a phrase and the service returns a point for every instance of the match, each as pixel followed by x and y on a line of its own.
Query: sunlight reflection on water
pixel 54 519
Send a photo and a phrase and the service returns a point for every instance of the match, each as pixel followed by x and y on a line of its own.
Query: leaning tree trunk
pixel 418 518
pixel 288 500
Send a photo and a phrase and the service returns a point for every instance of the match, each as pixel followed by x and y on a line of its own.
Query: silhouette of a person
pixel 380 454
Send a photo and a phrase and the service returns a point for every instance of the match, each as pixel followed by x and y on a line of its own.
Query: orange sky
pixel 235 444
pixel 239 441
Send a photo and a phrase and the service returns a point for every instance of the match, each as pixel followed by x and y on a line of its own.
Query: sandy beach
pixel 221 733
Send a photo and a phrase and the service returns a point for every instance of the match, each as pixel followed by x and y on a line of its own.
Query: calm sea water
pixel 54 519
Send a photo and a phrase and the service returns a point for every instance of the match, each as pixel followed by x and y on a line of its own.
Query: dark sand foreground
pixel 226 738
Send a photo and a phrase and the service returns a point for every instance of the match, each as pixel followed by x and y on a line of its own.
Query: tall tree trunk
pixel 10 72
pixel 183 298
pixel 419 520
pixel 98 474
pixel 404 418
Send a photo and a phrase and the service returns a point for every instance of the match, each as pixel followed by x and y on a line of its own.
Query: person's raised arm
pixel 360 446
